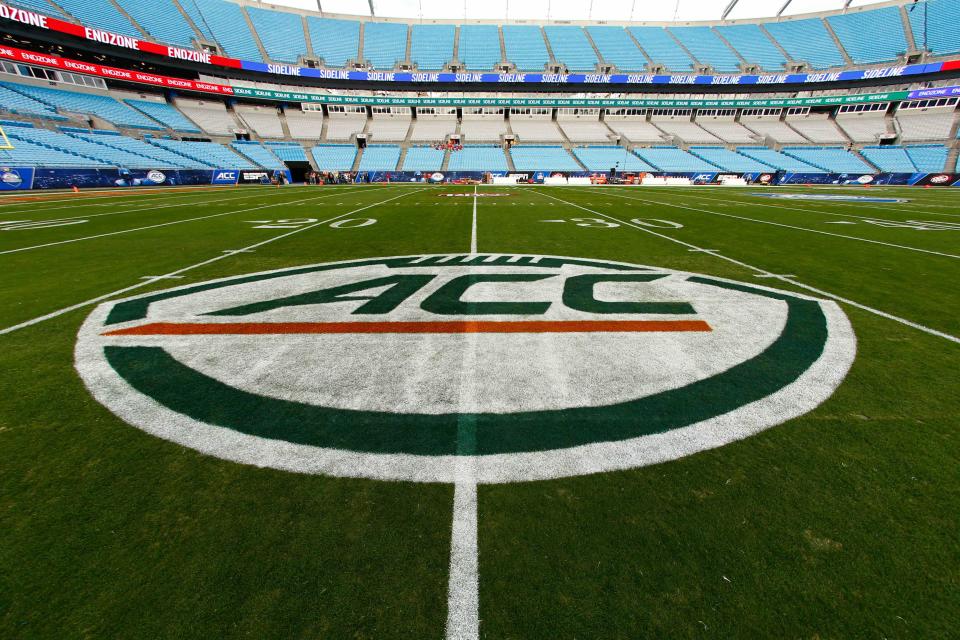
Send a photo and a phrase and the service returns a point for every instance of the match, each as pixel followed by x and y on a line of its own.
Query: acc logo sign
pixel 523 367
pixel 158 177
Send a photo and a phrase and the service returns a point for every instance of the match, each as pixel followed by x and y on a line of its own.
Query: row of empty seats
pixel 866 36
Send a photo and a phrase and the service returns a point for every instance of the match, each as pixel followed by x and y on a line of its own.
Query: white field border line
pixel 473 229
pixel 132 194
pixel 171 274
pixel 142 207
pixel 119 201
pixel 831 203
pixel 790 226
pixel 162 224
pixel 782 278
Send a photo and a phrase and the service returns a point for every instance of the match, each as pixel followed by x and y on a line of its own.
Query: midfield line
pixel 766 274
pixel 788 226
pixel 473 231
pixel 216 258
pixel 157 226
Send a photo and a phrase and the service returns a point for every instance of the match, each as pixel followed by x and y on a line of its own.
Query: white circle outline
pixel 807 392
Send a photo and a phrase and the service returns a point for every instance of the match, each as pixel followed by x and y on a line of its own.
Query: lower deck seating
pixel 423 159
pixel 830 159
pixel 606 158
pixel 929 158
pixel 259 154
pixel 778 160
pixel 729 160
pixel 211 153
pixel 478 158
pixel 380 157
pixel 535 158
pixel 673 159
pixel 287 151
pixel 334 157
pixel 892 159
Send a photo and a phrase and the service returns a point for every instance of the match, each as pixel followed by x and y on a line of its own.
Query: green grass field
pixel 841 523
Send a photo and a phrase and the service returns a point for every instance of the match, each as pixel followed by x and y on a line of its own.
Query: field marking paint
pixel 463 587
pixel 149 207
pixel 790 226
pixel 153 226
pixel 473 229
pixel 786 279
pixel 217 258
pixel 826 213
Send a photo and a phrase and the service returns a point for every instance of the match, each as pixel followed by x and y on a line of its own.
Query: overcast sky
pixel 637 10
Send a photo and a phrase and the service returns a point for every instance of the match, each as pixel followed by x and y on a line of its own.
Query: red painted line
pixel 476 326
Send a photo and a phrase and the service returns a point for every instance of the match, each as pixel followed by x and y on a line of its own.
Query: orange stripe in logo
pixel 473 326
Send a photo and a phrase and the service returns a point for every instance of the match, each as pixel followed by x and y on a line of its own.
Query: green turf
pixel 840 524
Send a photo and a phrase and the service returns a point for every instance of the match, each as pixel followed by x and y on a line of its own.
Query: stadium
pixel 394 319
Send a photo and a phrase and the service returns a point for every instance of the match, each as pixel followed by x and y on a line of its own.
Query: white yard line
pixel 162 224
pixel 463 592
pixel 171 274
pixel 765 273
pixel 831 203
pixel 142 207
pixel 463 596
pixel 473 230
pixel 790 226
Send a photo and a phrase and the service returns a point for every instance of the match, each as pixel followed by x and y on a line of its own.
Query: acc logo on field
pixel 407 368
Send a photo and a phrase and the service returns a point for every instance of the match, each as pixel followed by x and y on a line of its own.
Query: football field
pixel 420 411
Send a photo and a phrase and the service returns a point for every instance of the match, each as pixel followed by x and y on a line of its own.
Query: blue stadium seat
pixel 161 19
pixel 543 158
pixel 228 26
pixel 161 157
pixel 29 153
pixel 871 36
pixel 193 11
pixel 830 159
pixel 729 160
pixel 423 159
pixel 929 158
pixel 258 154
pixel 754 46
pixel 808 41
pixel 281 33
pixel 380 157
pixel 384 44
pixel 14 102
pixel 892 159
pixel 211 153
pixel 287 151
pixel 336 42
pixel 525 47
pixel 100 13
pixel 943 29
pixel 662 49
pixel 40 6
pixel 571 47
pixel 606 158
pixel 479 48
pixel 673 159
pixel 334 157
pixel 708 48
pixel 778 160
pixel 104 107
pixel 618 48
pixel 431 45
pixel 478 158
pixel 165 114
